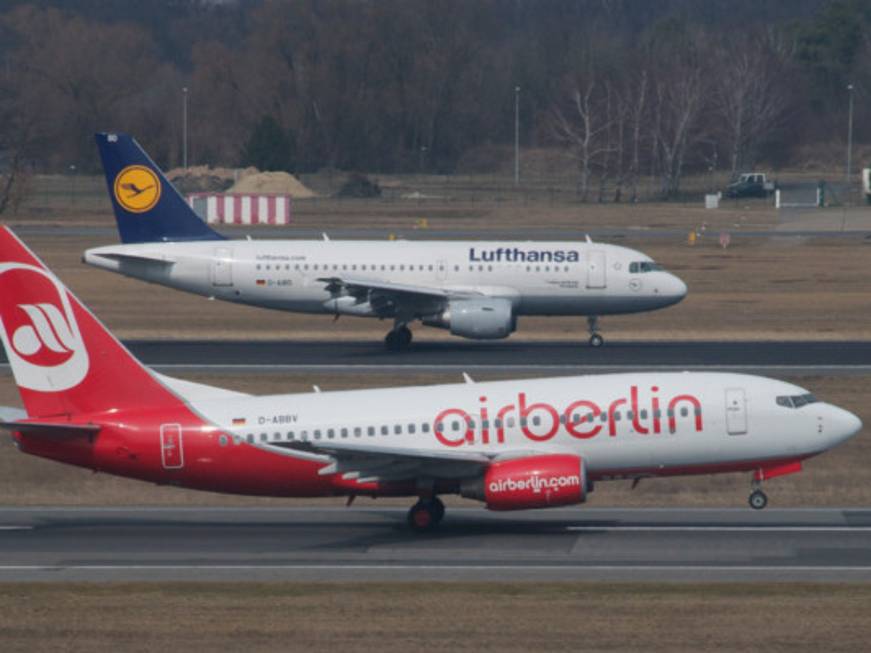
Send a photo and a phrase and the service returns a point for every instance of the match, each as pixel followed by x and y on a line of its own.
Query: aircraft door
pixel 222 267
pixel 596 269
pixel 736 411
pixel 171 451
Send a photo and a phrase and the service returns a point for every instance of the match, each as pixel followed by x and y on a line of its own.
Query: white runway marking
pixel 724 529
pixel 16 528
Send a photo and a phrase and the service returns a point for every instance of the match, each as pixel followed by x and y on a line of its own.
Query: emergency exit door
pixel 736 411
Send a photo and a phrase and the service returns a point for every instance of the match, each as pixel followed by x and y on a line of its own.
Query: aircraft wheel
pixel 596 340
pixel 424 516
pixel 758 500
pixel 404 334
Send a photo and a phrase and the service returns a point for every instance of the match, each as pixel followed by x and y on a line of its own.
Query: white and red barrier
pixel 260 208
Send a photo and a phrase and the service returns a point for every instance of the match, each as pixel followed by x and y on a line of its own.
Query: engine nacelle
pixel 545 481
pixel 480 319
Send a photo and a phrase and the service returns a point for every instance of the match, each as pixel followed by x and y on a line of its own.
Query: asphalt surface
pixel 505 355
pixel 374 544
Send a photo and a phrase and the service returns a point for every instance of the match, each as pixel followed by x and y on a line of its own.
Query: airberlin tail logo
pixel 40 333
pixel 137 189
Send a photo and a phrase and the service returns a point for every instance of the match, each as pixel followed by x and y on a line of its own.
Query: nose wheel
pixel 426 515
pixel 758 500
pixel 596 339
pixel 399 338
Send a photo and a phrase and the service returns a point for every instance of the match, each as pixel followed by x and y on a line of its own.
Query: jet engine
pixel 480 319
pixel 545 481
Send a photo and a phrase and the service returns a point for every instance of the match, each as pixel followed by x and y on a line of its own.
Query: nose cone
pixel 671 289
pixel 844 425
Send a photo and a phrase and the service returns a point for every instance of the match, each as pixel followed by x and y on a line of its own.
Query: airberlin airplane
pixel 473 289
pixel 511 444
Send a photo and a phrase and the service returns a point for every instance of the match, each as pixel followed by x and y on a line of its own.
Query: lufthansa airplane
pixel 473 289
pixel 510 444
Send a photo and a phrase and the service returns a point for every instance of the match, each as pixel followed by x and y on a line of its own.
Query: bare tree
pixel 583 126
pixel 748 97
pixel 680 93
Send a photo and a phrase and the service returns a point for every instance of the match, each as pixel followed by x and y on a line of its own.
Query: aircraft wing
pixel 386 296
pixel 367 462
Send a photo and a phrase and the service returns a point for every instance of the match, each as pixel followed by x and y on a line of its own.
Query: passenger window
pixel 684 412
pixel 264 437
pixel 411 429
pixel 317 434
pixel 251 438
pixel 371 430
pixel 385 430
pixel 536 421
pixel 397 429
pixel 344 433
pixel 331 433
pixel 498 423
pixel 357 431
pixel 425 427
pixel 643 413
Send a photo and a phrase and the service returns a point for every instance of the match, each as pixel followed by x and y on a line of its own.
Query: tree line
pixel 630 88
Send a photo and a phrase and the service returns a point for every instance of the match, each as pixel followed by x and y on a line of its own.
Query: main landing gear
pixel 399 338
pixel 596 339
pixel 426 514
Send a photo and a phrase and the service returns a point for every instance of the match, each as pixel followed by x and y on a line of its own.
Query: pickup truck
pixel 750 184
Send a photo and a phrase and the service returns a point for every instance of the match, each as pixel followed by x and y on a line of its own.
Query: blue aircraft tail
pixel 147 207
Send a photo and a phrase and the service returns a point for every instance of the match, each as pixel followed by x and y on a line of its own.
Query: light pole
pixel 849 137
pixel 516 135
pixel 184 127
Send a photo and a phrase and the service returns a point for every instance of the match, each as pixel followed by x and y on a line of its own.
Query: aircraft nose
pixel 844 424
pixel 672 289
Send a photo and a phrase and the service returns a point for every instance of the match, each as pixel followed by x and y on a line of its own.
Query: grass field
pixel 433 617
pixel 828 480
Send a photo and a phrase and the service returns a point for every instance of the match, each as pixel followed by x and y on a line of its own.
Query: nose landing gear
pixel 596 339
pixel 426 515
pixel 758 499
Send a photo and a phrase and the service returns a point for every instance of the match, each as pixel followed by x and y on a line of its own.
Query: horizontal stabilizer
pixel 136 258
pixel 51 430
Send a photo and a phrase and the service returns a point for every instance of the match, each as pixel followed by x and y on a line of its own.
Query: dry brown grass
pixel 829 480
pixel 433 616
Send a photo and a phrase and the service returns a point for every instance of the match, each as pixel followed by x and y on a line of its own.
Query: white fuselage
pixel 622 425
pixel 538 278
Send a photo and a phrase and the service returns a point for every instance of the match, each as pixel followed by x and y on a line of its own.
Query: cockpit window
pixel 637 267
pixel 796 401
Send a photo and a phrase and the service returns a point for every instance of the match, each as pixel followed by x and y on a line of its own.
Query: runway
pixel 373 544
pixel 508 355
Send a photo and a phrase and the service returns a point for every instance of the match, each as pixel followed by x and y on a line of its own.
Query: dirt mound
pixel 204 179
pixel 272 182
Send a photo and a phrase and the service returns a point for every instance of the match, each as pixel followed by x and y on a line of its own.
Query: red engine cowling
pixel 532 482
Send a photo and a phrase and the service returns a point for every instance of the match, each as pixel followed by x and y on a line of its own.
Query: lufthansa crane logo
pixel 137 189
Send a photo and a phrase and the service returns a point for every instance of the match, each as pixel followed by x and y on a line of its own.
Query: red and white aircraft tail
pixel 65 362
